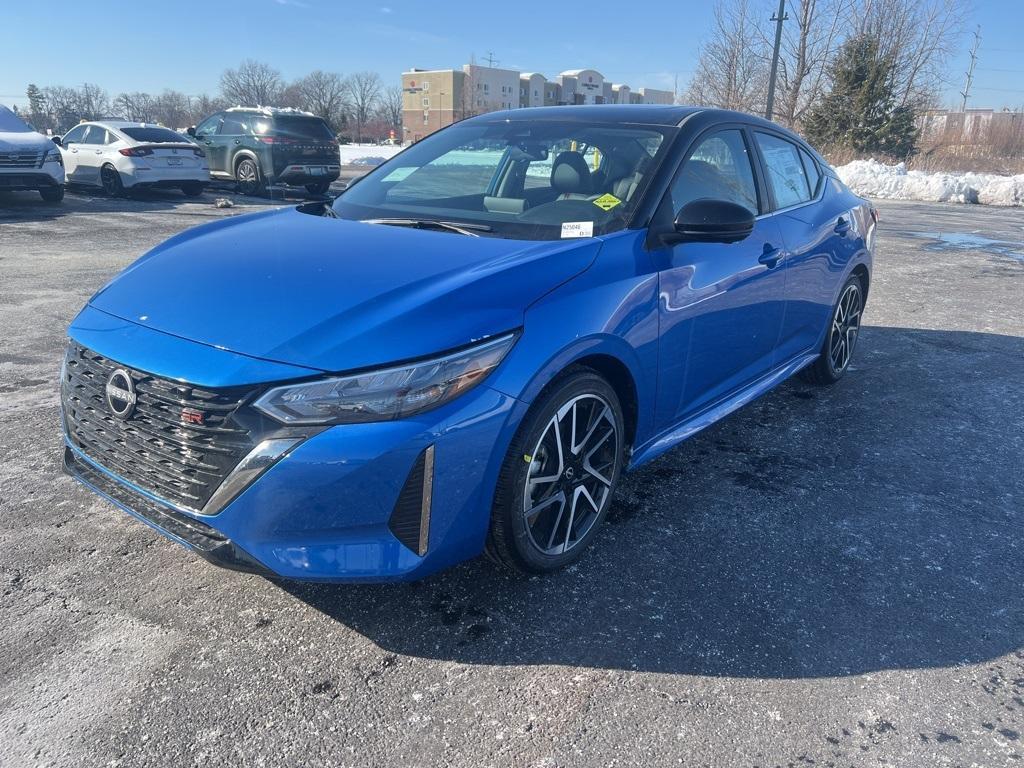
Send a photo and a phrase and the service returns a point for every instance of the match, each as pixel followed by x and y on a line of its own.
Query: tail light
pixel 136 151
pixel 274 140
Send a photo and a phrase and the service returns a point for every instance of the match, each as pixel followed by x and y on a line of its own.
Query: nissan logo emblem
pixel 120 394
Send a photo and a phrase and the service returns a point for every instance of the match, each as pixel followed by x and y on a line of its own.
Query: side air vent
pixel 410 519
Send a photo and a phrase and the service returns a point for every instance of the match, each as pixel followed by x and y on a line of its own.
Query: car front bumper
pixel 346 503
pixel 28 179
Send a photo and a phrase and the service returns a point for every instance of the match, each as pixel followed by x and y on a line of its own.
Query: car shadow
pixel 873 525
pixel 79 199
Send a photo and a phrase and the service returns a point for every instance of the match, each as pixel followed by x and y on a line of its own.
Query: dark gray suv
pixel 258 146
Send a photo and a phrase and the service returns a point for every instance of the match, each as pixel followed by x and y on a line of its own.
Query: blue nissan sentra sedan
pixel 464 350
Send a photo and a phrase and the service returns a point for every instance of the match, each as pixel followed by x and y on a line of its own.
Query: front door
pixel 721 305
pixel 73 150
pixel 210 142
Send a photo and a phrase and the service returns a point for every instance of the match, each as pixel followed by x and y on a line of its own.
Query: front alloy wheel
pixel 559 476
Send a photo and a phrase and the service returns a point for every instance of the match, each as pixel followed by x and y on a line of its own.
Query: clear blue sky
pixel 185 45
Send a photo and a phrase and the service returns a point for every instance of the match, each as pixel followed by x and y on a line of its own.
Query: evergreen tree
pixel 36 106
pixel 860 113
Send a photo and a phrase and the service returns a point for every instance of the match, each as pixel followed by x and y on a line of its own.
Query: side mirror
pixel 191 131
pixel 711 221
pixel 56 140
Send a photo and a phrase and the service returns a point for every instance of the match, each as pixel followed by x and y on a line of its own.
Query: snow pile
pixel 367 154
pixel 894 182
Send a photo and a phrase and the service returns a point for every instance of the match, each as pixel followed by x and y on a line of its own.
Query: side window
pixel 209 126
pixel 786 173
pixel 75 135
pixel 813 174
pixel 111 138
pixel 720 169
pixel 234 126
pixel 95 135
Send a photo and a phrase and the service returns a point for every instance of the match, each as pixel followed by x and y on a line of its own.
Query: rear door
pixel 91 155
pixel 818 234
pixel 721 304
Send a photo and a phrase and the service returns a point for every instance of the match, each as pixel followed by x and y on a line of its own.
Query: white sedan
pixel 117 156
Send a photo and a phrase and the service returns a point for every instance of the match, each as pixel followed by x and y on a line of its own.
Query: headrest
pixel 570 173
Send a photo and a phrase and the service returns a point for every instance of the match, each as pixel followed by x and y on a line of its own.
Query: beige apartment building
pixel 434 98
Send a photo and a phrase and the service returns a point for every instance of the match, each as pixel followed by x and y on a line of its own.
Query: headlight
pixel 387 393
pixel 53 156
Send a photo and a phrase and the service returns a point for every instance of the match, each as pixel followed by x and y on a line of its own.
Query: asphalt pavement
pixel 828 577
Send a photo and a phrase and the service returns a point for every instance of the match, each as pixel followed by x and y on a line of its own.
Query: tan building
pixel 434 98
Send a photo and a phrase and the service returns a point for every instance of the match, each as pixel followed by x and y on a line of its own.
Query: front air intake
pixel 410 519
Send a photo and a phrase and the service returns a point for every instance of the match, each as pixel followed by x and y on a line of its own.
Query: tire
pixel 193 188
pixel 52 194
pixel 564 520
pixel 249 177
pixel 110 180
pixel 318 187
pixel 840 337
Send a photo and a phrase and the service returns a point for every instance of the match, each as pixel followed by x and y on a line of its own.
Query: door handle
pixel 771 255
pixel 99 151
pixel 842 226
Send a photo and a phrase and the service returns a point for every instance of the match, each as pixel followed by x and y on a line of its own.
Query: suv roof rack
pixel 271 111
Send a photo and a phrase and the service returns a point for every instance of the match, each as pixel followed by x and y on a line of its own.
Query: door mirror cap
pixel 56 140
pixel 711 221
pixel 191 131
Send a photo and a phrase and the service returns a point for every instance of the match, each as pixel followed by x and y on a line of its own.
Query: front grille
pixel 154 449
pixel 21 159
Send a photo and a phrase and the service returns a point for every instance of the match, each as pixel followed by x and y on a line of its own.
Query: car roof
pixel 644 114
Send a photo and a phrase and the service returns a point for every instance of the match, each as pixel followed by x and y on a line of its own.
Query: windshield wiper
pixel 448 226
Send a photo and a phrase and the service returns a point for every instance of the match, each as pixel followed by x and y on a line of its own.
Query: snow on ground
pixel 894 182
pixel 367 154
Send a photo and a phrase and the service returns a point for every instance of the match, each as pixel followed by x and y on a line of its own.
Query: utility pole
pixel 966 92
pixel 778 18
pixel 491 61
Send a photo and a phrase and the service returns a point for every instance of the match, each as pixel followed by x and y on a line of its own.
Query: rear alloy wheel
pixel 52 194
pixel 250 180
pixel 318 187
pixel 111 182
pixel 192 188
pixel 559 476
pixel 841 338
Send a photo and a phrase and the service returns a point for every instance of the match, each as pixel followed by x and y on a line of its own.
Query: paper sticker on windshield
pixel 607 202
pixel 400 174
pixel 578 229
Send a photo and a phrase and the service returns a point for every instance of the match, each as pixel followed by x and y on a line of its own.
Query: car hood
pixel 21 141
pixel 333 294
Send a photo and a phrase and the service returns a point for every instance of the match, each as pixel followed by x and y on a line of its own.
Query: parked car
pixel 259 146
pixel 118 156
pixel 466 348
pixel 28 160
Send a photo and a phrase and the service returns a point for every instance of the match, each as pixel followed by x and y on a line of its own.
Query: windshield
pixel 530 180
pixel 11 123
pixel 295 127
pixel 154 135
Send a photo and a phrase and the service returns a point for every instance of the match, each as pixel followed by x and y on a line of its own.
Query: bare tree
pixel 391 108
pixel 253 84
pixel 204 105
pixel 325 94
pixel 135 106
pixel 919 36
pixel 732 68
pixel 172 109
pixel 810 40
pixel 363 92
